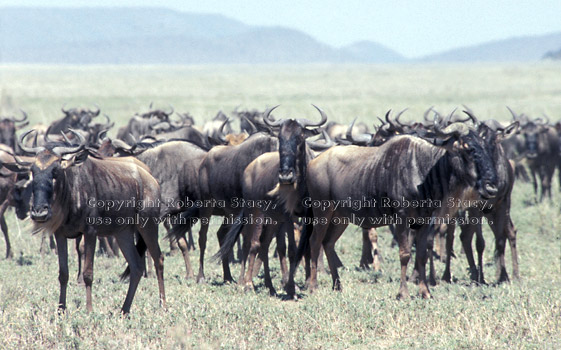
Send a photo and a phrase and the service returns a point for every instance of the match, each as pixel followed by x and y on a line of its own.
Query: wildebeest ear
pixel 17 168
pixel 508 132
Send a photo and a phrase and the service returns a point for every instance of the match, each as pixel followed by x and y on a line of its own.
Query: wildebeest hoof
pixel 447 278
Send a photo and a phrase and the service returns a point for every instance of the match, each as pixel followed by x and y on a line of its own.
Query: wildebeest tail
pixel 141 249
pixel 183 222
pixel 230 238
pixel 305 235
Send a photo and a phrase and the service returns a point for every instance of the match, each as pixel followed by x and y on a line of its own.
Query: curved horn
pixel 97 110
pixel 46 138
pixel 390 122
pixel 32 150
pixel 73 149
pixel 514 115
pixel 220 133
pixel 426 114
pixel 102 135
pixel 546 121
pixel 471 116
pixel 251 125
pixel 309 123
pixel 23 119
pixel 349 134
pixel 266 119
pixel 320 146
pixel 108 120
pixel 399 115
pixel 65 111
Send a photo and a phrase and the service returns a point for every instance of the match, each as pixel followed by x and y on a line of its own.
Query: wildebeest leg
pixel 534 181
pixel 113 244
pixel 321 265
pixel 447 276
pixel 498 226
pixel 366 257
pixel 421 257
pixel 280 235
pixel 89 248
pixel 253 235
pixel 3 207
pixel 205 220
pixel 430 250
pixel 269 232
pixel 172 242
pixel 191 241
pixel 79 246
pixel 319 233
pixel 480 246
pixel 546 176
pixel 106 247
pixel 52 244
pixel 511 235
pixel 466 236
pixel 332 259
pixel 402 234
pixel 136 265
pixel 150 235
pixel 62 269
pixel 221 234
pixel 184 247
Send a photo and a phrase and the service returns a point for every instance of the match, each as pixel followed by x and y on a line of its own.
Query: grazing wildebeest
pixel 8 127
pixel 404 168
pixel 67 203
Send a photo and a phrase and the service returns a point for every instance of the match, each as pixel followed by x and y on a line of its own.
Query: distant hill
pixel 520 49
pixel 156 35
pixel 553 55
pixel 371 52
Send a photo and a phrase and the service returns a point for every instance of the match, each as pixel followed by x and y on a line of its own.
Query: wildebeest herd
pixel 271 181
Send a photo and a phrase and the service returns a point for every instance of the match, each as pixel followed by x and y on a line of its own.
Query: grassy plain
pixel 521 314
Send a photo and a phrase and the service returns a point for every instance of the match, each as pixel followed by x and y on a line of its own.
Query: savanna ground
pixel 520 314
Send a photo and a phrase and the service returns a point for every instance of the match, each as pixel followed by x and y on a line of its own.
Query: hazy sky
pixel 413 28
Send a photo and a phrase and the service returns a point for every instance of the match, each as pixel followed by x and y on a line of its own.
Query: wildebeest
pixel 74 118
pixel 220 177
pixel 404 168
pixel 541 149
pixel 8 127
pixel 66 202
pixel 284 187
pixel 496 210
pixel 143 124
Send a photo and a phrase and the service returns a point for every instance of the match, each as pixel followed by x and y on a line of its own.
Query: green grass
pixel 521 314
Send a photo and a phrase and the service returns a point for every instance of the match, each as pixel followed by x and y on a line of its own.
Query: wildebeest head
pixel 79 118
pixel 292 143
pixel 8 127
pixel 21 196
pixel 472 154
pixel 47 172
